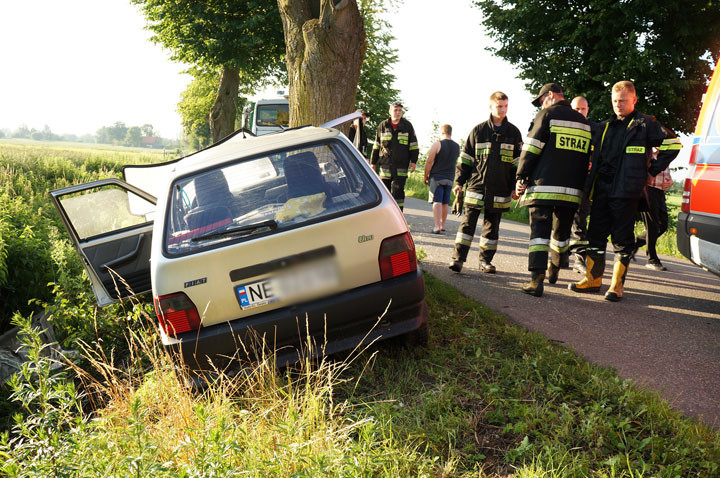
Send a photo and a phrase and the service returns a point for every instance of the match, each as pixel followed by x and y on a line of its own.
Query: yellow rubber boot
pixel 595 268
pixel 620 268
pixel 535 286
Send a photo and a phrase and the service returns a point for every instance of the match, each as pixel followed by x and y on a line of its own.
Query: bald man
pixel 578 234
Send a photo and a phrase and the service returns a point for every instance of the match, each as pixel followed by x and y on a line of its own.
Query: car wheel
pixel 418 337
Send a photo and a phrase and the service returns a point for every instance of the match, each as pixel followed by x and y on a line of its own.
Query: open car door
pixel 110 223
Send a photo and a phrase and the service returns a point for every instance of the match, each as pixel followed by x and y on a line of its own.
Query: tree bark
pixel 324 54
pixel 224 109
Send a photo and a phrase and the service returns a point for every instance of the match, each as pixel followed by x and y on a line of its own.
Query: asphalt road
pixel 663 334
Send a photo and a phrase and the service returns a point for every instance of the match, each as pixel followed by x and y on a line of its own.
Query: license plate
pixel 256 294
pixel 295 285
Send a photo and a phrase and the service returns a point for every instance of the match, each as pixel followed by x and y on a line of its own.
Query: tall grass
pixel 32 236
pixel 148 421
pixel 484 399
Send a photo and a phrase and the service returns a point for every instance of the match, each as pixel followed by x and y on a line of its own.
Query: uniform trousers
pixel 488 235
pixel 543 235
pixel 655 219
pixel 578 233
pixel 396 186
pixel 614 217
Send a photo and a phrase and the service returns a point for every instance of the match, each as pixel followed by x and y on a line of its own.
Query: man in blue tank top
pixel 439 175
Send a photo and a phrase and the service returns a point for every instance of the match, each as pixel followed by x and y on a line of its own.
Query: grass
pixel 485 398
pixel 666 244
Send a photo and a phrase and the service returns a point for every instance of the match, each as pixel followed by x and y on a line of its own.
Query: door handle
pixel 119 260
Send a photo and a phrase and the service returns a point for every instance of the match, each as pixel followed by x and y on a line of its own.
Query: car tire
pixel 418 337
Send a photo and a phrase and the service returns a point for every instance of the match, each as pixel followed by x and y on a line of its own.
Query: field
pixel 484 398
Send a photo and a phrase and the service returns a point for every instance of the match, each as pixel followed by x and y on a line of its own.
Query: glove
pixel 457 206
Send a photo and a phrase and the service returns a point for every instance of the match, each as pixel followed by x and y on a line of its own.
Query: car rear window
pixel 265 195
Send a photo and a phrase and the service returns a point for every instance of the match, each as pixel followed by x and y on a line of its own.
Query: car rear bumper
pixel 702 248
pixel 334 324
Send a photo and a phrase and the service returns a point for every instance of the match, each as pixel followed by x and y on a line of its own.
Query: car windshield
pixel 266 195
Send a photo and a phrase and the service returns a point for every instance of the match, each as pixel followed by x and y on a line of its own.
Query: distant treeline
pixel 118 134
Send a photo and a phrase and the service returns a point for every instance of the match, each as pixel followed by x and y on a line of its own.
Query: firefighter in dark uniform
pixel 486 167
pixel 552 172
pixel 395 152
pixel 622 160
pixel 578 233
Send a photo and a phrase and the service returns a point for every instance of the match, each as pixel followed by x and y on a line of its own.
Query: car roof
pixel 241 145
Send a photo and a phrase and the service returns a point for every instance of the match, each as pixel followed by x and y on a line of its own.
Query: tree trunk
pixel 224 109
pixel 324 54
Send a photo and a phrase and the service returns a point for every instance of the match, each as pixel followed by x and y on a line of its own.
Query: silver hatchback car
pixel 278 238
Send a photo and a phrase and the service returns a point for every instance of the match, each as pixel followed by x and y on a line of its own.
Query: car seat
pixel 214 201
pixel 303 176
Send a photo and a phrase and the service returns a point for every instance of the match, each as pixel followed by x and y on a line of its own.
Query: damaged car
pixel 269 240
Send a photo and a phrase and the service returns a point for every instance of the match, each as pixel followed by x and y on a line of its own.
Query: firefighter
pixel 486 166
pixel 622 160
pixel 395 152
pixel 551 175
pixel 578 233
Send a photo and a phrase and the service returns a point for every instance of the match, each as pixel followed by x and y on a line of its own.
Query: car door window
pixel 106 209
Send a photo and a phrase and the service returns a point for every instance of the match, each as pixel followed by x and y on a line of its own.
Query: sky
pixel 78 65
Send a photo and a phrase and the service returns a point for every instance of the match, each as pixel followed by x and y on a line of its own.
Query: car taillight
pixel 397 256
pixel 685 206
pixel 176 313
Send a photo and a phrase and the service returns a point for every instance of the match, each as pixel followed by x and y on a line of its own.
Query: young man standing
pixel 622 160
pixel 439 174
pixel 395 152
pixel 486 168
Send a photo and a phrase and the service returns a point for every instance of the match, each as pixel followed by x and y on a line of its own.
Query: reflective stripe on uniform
pixel 385 173
pixel 386 137
pixel 569 124
pixel 539 244
pixel 671 144
pixel 550 197
pixel 558 193
pixel 506 152
pixel 482 149
pixel 559 246
pixel 500 202
pixel 474 198
pixel 464 239
pixel 413 146
pixel 533 145
pixel 402 172
pixel 574 242
pixel 488 244
pixel 466 159
pixel 571 131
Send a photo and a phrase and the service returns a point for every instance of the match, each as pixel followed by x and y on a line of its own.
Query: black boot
pixel 552 273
